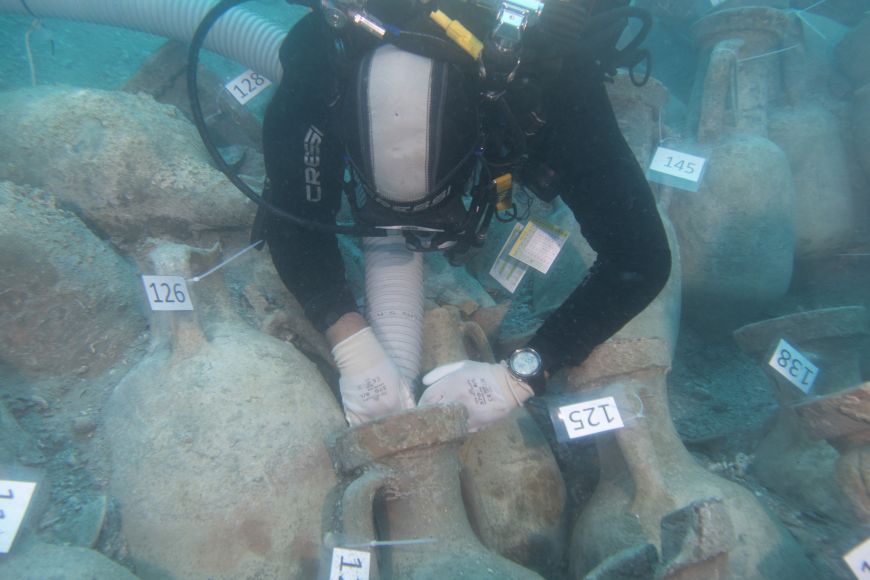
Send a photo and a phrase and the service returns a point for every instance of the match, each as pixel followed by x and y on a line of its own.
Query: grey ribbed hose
pixel 394 301
pixel 239 35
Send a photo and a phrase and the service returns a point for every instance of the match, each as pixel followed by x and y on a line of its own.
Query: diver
pixel 416 111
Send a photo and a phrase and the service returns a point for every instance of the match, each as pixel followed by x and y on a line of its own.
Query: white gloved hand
pixel 488 391
pixel 370 383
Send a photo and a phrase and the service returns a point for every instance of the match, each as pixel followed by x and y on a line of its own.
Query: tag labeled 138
pixel 795 367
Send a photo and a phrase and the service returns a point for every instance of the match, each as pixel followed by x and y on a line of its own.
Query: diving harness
pixel 495 61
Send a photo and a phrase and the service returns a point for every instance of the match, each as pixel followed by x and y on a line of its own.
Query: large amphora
pixel 737 232
pixel 405 489
pixel 220 467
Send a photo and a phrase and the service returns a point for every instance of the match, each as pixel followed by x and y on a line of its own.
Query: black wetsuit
pixel 598 178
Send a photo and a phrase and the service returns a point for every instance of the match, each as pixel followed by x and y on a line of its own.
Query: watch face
pixel 525 362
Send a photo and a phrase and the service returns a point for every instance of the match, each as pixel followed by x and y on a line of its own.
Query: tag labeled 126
pixel 167 293
pixel 677 169
pixel 795 367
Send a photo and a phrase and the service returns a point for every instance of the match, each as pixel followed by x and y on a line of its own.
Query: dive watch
pixel 526 365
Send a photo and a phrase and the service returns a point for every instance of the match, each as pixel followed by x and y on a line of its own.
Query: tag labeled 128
pixel 167 293
pixel 590 417
pixel 795 367
pixel 247 85
pixel 677 169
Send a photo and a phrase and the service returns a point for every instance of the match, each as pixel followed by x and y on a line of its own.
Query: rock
pixel 824 208
pixel 853 54
pixel 16 444
pixel 696 540
pixel 127 165
pixel 82 527
pixel 35 560
pixel 68 301
pixel 860 123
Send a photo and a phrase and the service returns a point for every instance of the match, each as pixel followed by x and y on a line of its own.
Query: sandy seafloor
pixel 721 401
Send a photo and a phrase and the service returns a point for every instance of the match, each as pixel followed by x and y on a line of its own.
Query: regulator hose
pixel 196 43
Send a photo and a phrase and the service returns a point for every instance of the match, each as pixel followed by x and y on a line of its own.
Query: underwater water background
pixel 60 369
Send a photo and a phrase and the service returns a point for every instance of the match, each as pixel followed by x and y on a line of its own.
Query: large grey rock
pixel 129 166
pixel 824 208
pixel 861 131
pixel 68 303
pixel 35 560
pixel 853 54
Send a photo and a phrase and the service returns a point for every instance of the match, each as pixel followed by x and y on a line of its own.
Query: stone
pixel 130 167
pixel 36 560
pixel 696 540
pixel 69 300
pixel 824 209
pixel 860 126
pixel 853 54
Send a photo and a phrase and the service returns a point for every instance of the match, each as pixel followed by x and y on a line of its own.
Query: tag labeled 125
pixel 590 417
pixel 167 293
pixel 795 367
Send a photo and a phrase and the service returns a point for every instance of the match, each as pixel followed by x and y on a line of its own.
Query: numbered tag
pixel 677 169
pixel 590 417
pixel 509 271
pixel 858 560
pixel 538 245
pixel 349 565
pixel 247 85
pixel 14 499
pixel 167 293
pixel 795 367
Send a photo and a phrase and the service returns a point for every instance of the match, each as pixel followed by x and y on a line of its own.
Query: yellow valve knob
pixel 503 192
pixel 458 34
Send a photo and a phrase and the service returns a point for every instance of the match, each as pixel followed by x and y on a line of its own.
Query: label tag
pixel 349 564
pixel 247 85
pixel 795 367
pixel 538 245
pixel 676 169
pixel 858 560
pixel 589 417
pixel 14 499
pixel 167 293
pixel 509 271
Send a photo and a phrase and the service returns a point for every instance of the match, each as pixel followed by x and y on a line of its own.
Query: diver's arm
pixel 304 166
pixel 606 189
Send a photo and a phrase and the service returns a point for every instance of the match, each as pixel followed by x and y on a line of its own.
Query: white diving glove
pixel 370 383
pixel 488 391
